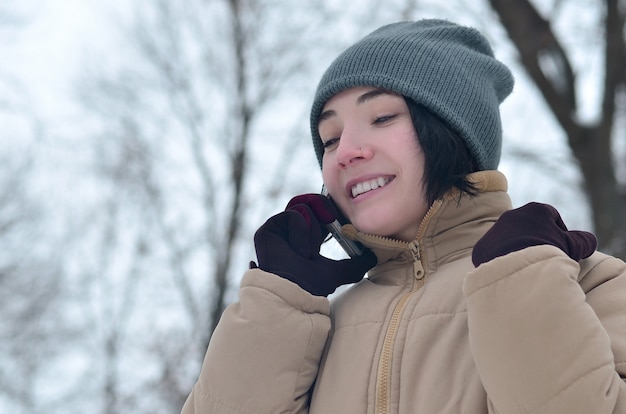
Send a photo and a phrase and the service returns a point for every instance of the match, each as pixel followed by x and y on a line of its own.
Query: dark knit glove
pixel 288 245
pixel 532 225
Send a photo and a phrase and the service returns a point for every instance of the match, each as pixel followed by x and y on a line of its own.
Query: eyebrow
pixel 373 94
pixel 367 96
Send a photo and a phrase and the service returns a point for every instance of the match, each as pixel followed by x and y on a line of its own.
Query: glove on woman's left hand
pixel 531 225
pixel 288 245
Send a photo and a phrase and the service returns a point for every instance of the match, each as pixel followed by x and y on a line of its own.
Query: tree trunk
pixel 537 43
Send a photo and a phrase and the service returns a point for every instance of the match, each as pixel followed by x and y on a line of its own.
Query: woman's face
pixel 373 165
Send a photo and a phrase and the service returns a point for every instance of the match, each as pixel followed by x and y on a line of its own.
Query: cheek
pixel 411 154
pixel 330 179
pixel 417 161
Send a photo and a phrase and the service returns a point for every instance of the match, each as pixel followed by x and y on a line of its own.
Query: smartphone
pixel 352 248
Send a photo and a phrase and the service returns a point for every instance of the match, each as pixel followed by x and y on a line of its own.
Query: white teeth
pixel 366 186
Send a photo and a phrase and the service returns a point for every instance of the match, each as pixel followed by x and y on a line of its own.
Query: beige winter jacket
pixel 530 332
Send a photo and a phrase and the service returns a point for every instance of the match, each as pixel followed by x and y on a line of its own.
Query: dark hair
pixel 447 158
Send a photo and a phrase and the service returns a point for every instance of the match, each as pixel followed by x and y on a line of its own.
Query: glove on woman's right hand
pixel 531 225
pixel 288 245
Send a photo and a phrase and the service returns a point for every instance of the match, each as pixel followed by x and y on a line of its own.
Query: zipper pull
pixel 418 269
pixel 414 246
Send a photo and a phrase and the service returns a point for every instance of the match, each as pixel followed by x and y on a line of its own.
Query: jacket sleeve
pixel 545 341
pixel 264 354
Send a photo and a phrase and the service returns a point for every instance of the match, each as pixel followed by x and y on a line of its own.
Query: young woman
pixel 468 306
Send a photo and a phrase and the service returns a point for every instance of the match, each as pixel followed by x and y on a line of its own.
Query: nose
pixel 352 150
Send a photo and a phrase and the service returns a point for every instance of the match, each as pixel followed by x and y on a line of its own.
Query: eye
pixel 383 119
pixel 330 143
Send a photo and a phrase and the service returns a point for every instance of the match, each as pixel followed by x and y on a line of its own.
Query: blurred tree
pixel 545 58
pixel 33 327
pixel 200 120
pixel 191 153
pixel 184 117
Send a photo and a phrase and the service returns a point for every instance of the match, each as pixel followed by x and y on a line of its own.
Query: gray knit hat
pixel 448 68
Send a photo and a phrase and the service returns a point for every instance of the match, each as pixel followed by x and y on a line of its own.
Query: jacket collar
pixel 452 225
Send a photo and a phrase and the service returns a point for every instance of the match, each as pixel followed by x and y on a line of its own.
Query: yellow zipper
pixel 383 380
pixel 383 385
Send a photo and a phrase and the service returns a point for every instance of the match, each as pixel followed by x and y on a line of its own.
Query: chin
pixel 372 228
pixel 375 221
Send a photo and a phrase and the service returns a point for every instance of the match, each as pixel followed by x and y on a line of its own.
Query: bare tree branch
pixel 548 65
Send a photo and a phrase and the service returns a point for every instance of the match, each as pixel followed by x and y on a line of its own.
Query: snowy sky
pixel 49 43
pixel 56 37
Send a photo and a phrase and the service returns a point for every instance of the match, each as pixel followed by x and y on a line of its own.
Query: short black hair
pixel 447 158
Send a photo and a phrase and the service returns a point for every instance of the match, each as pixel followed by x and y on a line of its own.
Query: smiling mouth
pixel 370 185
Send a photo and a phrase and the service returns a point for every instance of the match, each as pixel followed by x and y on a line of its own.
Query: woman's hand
pixel 288 245
pixel 532 225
